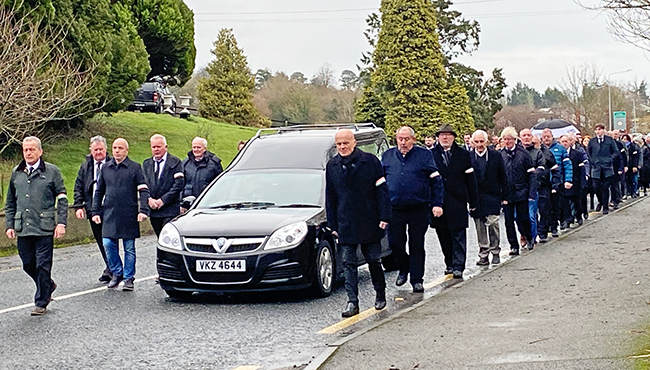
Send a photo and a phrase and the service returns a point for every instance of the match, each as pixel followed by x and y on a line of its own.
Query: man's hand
pixel 553 191
pixel 59 232
pixel 620 172
pixel 142 217
pixel 634 169
pixel 335 233
pixel 81 214
pixel 437 211
pixel 568 185
pixel 183 210
pixel 625 169
pixel 152 203
pixel 159 203
pixel 383 225
pixel 11 234
pixel 504 202
pixel 97 219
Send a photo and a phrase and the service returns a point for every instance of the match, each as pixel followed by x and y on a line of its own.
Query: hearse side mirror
pixel 188 201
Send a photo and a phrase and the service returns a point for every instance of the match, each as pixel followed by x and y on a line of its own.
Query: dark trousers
pixel 617 195
pixel 544 204
pixel 36 253
pixel 523 222
pixel 415 221
pixel 157 223
pixel 97 233
pixel 574 208
pixel 454 247
pixel 557 208
pixel 602 186
pixel 371 252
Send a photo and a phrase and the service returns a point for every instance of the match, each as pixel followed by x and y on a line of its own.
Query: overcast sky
pixel 533 41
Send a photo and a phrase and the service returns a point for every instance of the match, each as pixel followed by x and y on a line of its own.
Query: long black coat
pixel 84 184
pixel 634 154
pixel 167 187
pixel 521 182
pixel 490 184
pixel 604 157
pixel 117 188
pixel 644 172
pixel 356 197
pixel 577 161
pixel 460 188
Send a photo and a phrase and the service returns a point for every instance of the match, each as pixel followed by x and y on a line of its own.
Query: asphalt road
pixel 88 326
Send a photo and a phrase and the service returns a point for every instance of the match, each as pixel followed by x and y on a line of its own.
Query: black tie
pixel 31 169
pixel 448 156
pixel 157 171
pixel 600 140
pixel 99 167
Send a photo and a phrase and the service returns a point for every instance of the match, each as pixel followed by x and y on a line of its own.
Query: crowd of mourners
pixel 543 184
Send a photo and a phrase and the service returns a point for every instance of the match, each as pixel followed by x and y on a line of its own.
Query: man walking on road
pixel 521 187
pixel 526 136
pixel 35 189
pixel 84 190
pixel 460 189
pixel 416 191
pixel 490 179
pixel 603 154
pixel 164 175
pixel 558 203
pixel 120 182
pixel 358 210
pixel 200 168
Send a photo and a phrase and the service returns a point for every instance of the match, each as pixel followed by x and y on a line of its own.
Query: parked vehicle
pixel 261 225
pixel 151 97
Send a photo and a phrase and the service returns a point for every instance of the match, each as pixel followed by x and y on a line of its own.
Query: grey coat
pixel 31 200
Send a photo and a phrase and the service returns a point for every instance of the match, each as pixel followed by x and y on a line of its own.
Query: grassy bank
pixel 68 153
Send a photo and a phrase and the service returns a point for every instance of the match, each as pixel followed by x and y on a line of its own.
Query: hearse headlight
pixel 287 236
pixel 170 238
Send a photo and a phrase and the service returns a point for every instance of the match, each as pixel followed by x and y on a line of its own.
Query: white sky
pixel 534 41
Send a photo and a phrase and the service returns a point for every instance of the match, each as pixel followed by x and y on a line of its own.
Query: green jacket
pixel 29 209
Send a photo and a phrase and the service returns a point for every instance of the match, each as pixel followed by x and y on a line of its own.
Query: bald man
pixel 358 210
pixel 118 185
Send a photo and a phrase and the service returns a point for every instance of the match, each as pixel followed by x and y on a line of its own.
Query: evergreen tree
pixel 226 94
pixel 409 78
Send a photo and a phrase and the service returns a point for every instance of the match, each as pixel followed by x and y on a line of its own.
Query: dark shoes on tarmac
pixel 401 279
pixel 115 281
pixel 380 300
pixel 106 276
pixel 351 309
pixel 128 285
pixel 40 311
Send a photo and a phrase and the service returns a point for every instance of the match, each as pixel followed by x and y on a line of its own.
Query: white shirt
pixel 161 164
pixel 34 166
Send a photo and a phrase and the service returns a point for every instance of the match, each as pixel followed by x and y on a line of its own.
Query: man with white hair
pixel 558 203
pixel 199 168
pixel 521 187
pixel 36 191
pixel 490 180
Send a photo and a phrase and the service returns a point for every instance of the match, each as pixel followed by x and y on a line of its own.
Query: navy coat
pixel 84 184
pixel 579 181
pixel 521 182
pixel 117 188
pixel 168 187
pixel 490 184
pixel 460 188
pixel 603 157
pixel 356 197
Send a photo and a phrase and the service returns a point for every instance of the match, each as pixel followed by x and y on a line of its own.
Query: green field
pixel 137 128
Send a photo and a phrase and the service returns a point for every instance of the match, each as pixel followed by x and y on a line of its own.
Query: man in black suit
pixel 576 155
pixel 164 175
pixel 455 167
pixel 84 190
pixel 603 154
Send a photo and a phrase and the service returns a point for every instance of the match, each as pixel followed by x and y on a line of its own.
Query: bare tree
pixel 629 20
pixel 40 81
pixel 324 77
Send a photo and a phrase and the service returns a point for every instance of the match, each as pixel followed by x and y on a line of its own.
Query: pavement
pixel 581 301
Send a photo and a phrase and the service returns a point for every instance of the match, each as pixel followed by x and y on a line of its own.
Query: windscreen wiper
pixel 299 205
pixel 243 205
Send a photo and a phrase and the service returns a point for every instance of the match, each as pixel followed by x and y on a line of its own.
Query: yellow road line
pixel 68 296
pixel 349 321
pixel 11 269
pixel 439 280
pixel 248 367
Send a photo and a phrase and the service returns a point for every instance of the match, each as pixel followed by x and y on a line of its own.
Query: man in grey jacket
pixel 35 189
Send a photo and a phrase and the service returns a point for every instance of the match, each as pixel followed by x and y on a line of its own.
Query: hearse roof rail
pixel 314 127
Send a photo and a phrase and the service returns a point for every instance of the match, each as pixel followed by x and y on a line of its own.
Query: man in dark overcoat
pixel 603 155
pixel 416 191
pixel 455 166
pixel 574 210
pixel 120 182
pixel 164 175
pixel 618 182
pixel 521 187
pixel 84 190
pixel 36 191
pixel 526 136
pixel 358 211
pixel 548 180
pixel 200 168
pixel 490 180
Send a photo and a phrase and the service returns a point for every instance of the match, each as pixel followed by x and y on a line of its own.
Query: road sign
pixel 620 120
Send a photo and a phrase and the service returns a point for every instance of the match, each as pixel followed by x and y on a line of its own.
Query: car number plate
pixel 221 266
pixel 140 104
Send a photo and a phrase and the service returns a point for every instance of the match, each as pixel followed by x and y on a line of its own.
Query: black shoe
pixel 448 271
pixel 530 245
pixel 580 222
pixel 418 288
pixel 458 274
pixel 128 285
pixel 543 238
pixel 115 281
pixel 514 252
pixel 554 233
pixel 351 309
pixel 616 206
pixel 483 261
pixel 585 216
pixel 599 207
pixel 564 225
pixel 380 300
pixel 605 211
pixel 496 259
pixel 401 279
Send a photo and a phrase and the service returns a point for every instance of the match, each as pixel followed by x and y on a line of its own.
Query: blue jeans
pixel 532 211
pixel 115 262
